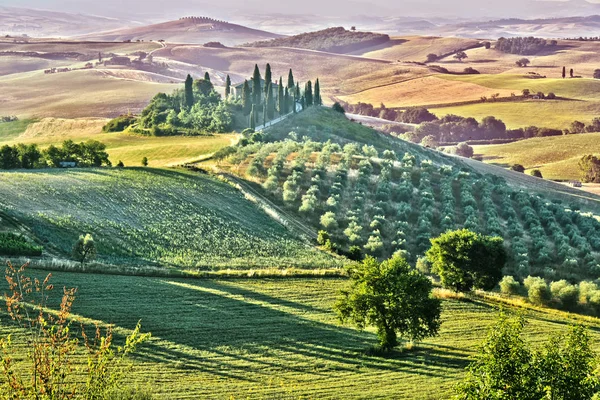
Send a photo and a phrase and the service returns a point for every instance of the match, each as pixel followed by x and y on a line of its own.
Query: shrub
pixel 566 294
pixel 537 290
pixel 517 168
pixel 328 220
pixel 119 124
pixel 551 96
pixel 338 107
pixel 508 285
pixel 536 172
pixel 15 245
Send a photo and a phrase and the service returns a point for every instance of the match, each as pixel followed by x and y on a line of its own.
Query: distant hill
pixel 42 23
pixel 334 40
pixel 192 30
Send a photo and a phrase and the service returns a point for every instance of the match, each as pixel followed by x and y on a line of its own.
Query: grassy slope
pixel 144 216
pixel 583 104
pixel 161 151
pixel 556 157
pixel 278 339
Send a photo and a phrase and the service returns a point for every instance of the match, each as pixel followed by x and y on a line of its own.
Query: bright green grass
pixel 277 339
pixel 322 124
pixel 11 130
pixel 557 157
pixel 584 103
pixel 143 216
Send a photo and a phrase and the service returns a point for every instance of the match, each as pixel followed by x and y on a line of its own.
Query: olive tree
pixel 394 298
pixel 84 249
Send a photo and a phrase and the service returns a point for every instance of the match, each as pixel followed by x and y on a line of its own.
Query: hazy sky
pixel 166 9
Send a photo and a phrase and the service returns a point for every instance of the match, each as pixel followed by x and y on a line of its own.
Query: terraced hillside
pixel 152 217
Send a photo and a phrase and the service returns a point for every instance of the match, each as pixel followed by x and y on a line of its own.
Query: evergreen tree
pixel 256 86
pixel 317 100
pixel 571 72
pixel 298 91
pixel 227 87
pixel 281 98
pixel 308 94
pixel 268 78
pixel 286 101
pixel 264 116
pixel 206 76
pixel 564 72
pixel 290 84
pixel 246 98
pixel 252 123
pixel 270 102
pixel 189 91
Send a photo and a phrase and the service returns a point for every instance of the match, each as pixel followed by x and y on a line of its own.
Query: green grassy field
pixel 557 157
pixel 278 339
pixel 129 148
pixel 583 103
pixel 149 216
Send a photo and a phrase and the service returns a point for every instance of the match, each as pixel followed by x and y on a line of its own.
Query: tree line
pixel 23 156
pixel 263 99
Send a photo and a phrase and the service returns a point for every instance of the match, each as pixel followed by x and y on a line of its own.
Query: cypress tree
pixel 290 84
pixel 294 100
pixel 298 91
pixel 303 103
pixel 206 76
pixel 318 101
pixel 280 98
pixel 189 91
pixel 571 72
pixel 264 115
pixel 286 101
pixel 252 120
pixel 256 86
pixel 564 74
pixel 268 78
pixel 308 94
pixel 227 86
pixel 270 102
pixel 246 98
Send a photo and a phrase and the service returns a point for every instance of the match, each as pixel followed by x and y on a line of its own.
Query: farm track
pixel 291 221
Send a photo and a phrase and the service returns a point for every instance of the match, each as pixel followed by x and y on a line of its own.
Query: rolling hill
pixel 198 30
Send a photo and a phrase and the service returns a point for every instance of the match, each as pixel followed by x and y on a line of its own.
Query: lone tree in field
pixel 536 172
pixel 189 91
pixel 431 57
pixel 564 72
pixel 461 55
pixel 393 297
pixel 84 249
pixel 465 260
pixel 523 62
pixel 338 108
pixel 227 87
pixel 589 165
pixel 145 161
pixel 571 72
pixel 517 168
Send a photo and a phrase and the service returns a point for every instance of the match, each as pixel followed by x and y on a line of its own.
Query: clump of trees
pixel 333 40
pixel 85 154
pixel 393 297
pixel 521 45
pixel 507 367
pixel 523 62
pixel 465 260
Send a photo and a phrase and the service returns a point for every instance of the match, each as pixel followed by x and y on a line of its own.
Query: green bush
pixel 119 124
pixel 508 285
pixel 537 290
